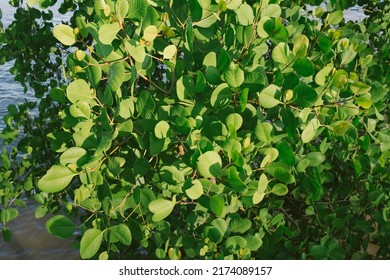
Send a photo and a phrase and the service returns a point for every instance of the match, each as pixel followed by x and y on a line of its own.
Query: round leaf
pixel 280 189
pixel 64 34
pixel 267 97
pixel 150 33
pixel 8 214
pixel 340 127
pixel 161 209
pixel 240 225
pixel 169 52
pixel 196 190
pixel 79 90
pixel 235 120
pixel 234 75
pixel 107 32
pixel 281 53
pixel 60 226
pixel 245 15
pixel 310 130
pixel 121 233
pixel 304 67
pixel 221 96
pixel 305 95
pixel 161 129
pixel 209 164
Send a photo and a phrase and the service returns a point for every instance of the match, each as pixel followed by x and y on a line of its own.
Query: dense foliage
pixel 202 129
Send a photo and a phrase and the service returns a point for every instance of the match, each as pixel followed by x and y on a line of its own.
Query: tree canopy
pixel 202 129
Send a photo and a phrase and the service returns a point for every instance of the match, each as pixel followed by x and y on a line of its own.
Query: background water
pixel 30 238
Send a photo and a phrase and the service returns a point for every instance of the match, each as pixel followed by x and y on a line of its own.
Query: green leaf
pixel 107 32
pixel 245 15
pixel 286 154
pixel 281 53
pixel 56 179
pixel 263 184
pixel 209 164
pixel 301 45
pixel 271 10
pixel 196 190
pixel 348 55
pixel 80 109
pixel 234 243
pixel 234 180
pixel 7 234
pixel 310 130
pixel 60 226
pixel 279 189
pixel 171 175
pixel 72 155
pixel 281 173
pixel 234 120
pixel 222 226
pixel 8 214
pixel 244 99
pixel 121 233
pixel 161 208
pixel 136 52
pixel 340 127
pixel 305 96
pixel 137 9
pixel 217 205
pixel 94 72
pixel 335 18
pixel 261 28
pixel 150 33
pixel 184 87
pixel 234 75
pixel 319 252
pixel 200 82
pixel 64 34
pixel 240 225
pixel 170 52
pixel 304 67
pixel 90 243
pixel 323 74
pixel 145 104
pixel 233 4
pixel 79 90
pixel 271 154
pixel 263 132
pixel 221 96
pixel 315 158
pixel 116 76
pixel 358 88
pixel 257 197
pixel 279 33
pixel 161 129
pixel 267 97
pixel 254 242
pixel 126 108
pixel 210 59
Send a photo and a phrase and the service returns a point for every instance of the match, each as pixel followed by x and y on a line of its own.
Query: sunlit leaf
pixel 90 243
pixel 56 179
pixel 64 34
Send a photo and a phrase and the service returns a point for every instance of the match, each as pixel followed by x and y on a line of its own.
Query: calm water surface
pixel 30 238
